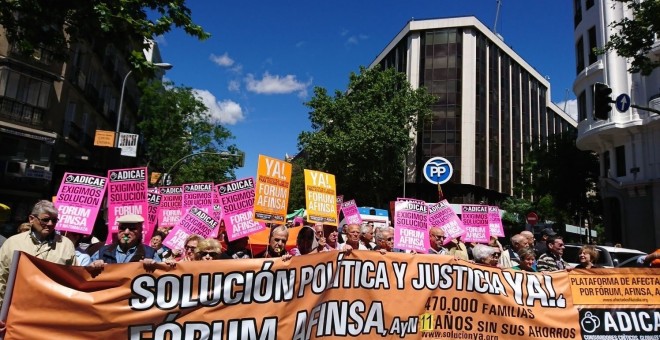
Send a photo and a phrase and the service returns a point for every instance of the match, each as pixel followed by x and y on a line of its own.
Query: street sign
pixel 438 170
pixel 622 102
pixel 532 218
pixel 104 138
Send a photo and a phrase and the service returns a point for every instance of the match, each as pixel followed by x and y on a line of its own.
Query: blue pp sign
pixel 438 170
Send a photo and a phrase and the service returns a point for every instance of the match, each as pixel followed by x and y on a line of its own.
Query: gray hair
pixel 365 228
pixel 481 251
pixel 44 207
pixel 379 233
pixel 279 228
pixel 526 252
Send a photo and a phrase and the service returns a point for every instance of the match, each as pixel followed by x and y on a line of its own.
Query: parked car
pixel 608 257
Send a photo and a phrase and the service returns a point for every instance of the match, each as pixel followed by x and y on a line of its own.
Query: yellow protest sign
pixel 321 197
pixel 272 190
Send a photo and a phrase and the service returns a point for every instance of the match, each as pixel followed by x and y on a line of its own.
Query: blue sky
pixel 265 57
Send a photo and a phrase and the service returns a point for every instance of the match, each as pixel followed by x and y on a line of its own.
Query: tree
pixel 562 193
pixel 175 123
pixel 362 136
pixel 31 25
pixel 636 36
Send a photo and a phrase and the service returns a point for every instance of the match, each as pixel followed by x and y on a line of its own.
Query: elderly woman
pixel 209 249
pixel 305 242
pixel 486 255
pixel 527 258
pixel 588 256
pixel 189 247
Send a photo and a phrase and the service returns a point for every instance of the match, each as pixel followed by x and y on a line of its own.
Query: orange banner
pixel 272 190
pixel 329 295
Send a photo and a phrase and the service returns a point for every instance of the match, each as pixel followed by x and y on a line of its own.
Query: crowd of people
pixel 37 237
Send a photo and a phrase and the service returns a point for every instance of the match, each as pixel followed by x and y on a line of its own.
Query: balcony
pixel 20 113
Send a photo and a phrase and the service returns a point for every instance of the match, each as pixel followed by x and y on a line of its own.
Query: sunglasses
pixel 45 220
pixel 283 240
pixel 129 227
pixel 190 248
pixel 390 239
pixel 212 254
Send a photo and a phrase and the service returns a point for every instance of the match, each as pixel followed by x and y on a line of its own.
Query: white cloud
pixel 571 107
pixel 223 112
pixel 222 60
pixel 234 86
pixel 355 39
pixel 276 85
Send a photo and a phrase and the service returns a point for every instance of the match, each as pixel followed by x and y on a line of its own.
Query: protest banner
pixel 411 226
pixel 320 197
pixel 495 221
pixel 621 303
pixel 127 194
pixel 443 216
pixel 153 202
pixel 475 220
pixel 198 195
pixel 351 212
pixel 272 193
pixel 340 200
pixel 237 202
pixel 330 295
pixel 169 211
pixel 78 201
pixel 195 221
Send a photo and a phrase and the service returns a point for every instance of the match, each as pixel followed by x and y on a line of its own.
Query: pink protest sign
pixel 217 213
pixel 340 200
pixel 475 220
pixel 495 221
pixel 169 211
pixel 443 216
pixel 153 200
pixel 78 201
pixel 237 200
pixel 127 194
pixel 199 195
pixel 195 221
pixel 410 226
pixel 351 213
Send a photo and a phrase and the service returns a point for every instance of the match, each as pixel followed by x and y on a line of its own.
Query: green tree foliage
pixel 55 25
pixel 562 179
pixel 516 210
pixel 362 136
pixel 297 188
pixel 175 123
pixel 635 37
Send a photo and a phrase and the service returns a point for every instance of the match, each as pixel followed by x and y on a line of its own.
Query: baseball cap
pixel 548 232
pixel 130 218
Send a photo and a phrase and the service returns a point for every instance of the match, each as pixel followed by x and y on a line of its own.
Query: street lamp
pixel 225 154
pixel 164 66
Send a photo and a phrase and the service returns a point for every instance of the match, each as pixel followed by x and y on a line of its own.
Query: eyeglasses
pixel 283 240
pixel 390 239
pixel 496 255
pixel 212 254
pixel 439 236
pixel 45 220
pixel 129 227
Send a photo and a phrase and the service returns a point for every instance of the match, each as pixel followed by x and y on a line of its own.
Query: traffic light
pixel 602 101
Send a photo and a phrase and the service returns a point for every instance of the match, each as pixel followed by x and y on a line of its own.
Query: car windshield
pixel 622 257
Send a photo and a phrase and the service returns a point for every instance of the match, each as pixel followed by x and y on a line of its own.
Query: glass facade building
pixel 490 104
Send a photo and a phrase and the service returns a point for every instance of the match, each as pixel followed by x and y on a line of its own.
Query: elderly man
pixel 510 257
pixel 367 235
pixel 437 238
pixel 128 247
pixel 552 259
pixel 279 235
pixel 41 241
pixel 352 239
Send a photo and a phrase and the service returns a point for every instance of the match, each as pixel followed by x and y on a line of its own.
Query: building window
pixel 620 153
pixel 579 56
pixel 592 45
pixel 606 164
pixel 577 6
pixel 582 106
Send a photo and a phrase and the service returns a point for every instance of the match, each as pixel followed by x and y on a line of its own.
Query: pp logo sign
pixel 438 170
